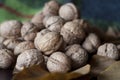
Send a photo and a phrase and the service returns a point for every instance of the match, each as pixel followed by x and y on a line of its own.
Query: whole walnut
pixel 109 50
pixel 29 31
pixel 58 62
pixel 39 35
pixel 46 18
pixel 38 20
pixel 77 55
pixel 72 32
pixel 54 23
pixel 26 45
pixel 51 8
pixel 29 58
pixel 91 43
pixel 6 58
pixel 11 43
pixel 49 42
pixel 68 12
pixel 10 29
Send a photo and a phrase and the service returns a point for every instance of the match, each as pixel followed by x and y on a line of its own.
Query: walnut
pixel 68 11
pixel 109 50
pixel 11 43
pixel 77 55
pixel 58 62
pixel 38 20
pixel 26 45
pixel 6 58
pixel 72 32
pixel 49 42
pixel 39 35
pixel 29 58
pixel 54 23
pixel 51 8
pixel 28 31
pixel 10 29
pixel 91 43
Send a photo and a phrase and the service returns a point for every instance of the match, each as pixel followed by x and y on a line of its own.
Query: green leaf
pixel 111 73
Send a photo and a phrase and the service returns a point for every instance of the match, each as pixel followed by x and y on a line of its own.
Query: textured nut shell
pixel 68 11
pixel 26 45
pixel 2 46
pixel 29 58
pixel 11 43
pixel 91 43
pixel 38 20
pixel 51 8
pixel 28 31
pixel 40 35
pixel 54 23
pixel 6 58
pixel 72 32
pixel 58 62
pixel 50 42
pixel 77 55
pixel 2 39
pixel 109 50
pixel 10 29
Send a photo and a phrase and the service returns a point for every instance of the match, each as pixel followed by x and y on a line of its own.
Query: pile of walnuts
pixel 56 39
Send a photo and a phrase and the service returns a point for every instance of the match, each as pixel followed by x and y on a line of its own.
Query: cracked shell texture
pixel 51 8
pixel 10 29
pixel 38 20
pixel 54 23
pixel 11 43
pixel 40 35
pixel 77 55
pixel 68 12
pixel 29 31
pixel 109 50
pixel 6 58
pixel 26 45
pixel 29 58
pixel 58 62
pixel 91 43
pixel 49 43
pixel 72 32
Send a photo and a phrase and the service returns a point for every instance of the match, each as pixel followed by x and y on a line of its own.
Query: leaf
pixel 36 73
pixel 30 73
pixel 99 64
pixel 111 73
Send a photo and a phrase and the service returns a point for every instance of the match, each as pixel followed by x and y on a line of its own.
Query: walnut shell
pixel 10 29
pixel 29 58
pixel 91 43
pixel 72 32
pixel 49 43
pixel 26 45
pixel 38 20
pixel 11 43
pixel 77 55
pixel 54 23
pixel 109 50
pixel 6 58
pixel 58 62
pixel 39 35
pixel 68 11
pixel 51 8
pixel 29 31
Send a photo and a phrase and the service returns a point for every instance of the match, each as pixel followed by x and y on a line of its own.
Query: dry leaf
pixel 99 64
pixel 36 73
pixel 111 73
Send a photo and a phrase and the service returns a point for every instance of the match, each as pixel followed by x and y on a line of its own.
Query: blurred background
pixel 101 13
